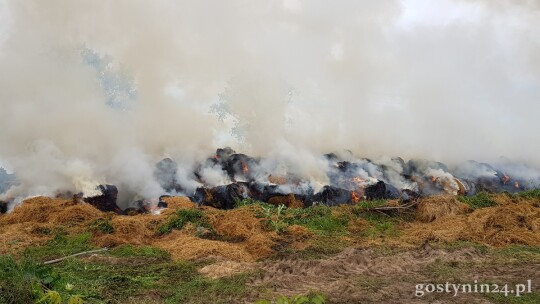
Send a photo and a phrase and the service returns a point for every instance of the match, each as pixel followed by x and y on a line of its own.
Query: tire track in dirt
pixel 338 276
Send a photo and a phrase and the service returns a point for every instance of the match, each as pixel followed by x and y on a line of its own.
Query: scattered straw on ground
pixel 242 226
pixel 177 202
pixel 187 247
pixel 38 209
pixel 76 214
pixel 243 237
pixel 225 269
pixel 34 220
pixel 511 223
pixel 432 208
pixel 289 201
pixel 136 230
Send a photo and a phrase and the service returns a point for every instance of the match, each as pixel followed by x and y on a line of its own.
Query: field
pixel 266 253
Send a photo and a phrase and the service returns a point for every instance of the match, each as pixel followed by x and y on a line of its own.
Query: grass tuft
pixel 101 226
pixel 480 200
pixel 318 219
pixel 61 245
pixel 130 251
pixel 181 218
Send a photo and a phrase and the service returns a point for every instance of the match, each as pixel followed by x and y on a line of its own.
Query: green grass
pixel 60 245
pixel 310 298
pixel 130 251
pixel 480 200
pixel 18 279
pixel 321 247
pixel 22 280
pixel 531 194
pixel 101 226
pixel 181 218
pixel 441 271
pixel 364 205
pixel 250 202
pixel 459 244
pixel 526 298
pixel 381 225
pixel 519 253
pixel 318 219
pixel 201 290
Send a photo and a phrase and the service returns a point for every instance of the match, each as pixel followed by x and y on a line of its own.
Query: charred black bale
pixel 221 197
pixel 382 190
pixel 107 200
pixel 263 192
pixel 219 159
pixel 409 195
pixel 489 184
pixel 241 165
pixel 3 206
pixel 161 203
pixel 223 154
pixel 165 174
pixel 331 196
pixel 138 207
pixel 131 211
pixel 375 191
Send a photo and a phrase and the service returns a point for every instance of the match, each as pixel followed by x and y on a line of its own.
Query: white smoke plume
pixel 98 91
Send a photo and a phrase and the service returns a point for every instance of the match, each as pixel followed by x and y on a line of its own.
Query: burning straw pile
pixel 226 178
pixel 428 189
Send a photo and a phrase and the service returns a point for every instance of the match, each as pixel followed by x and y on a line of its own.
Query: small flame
pixel 216 157
pixel 505 179
pixel 358 179
pixel 245 168
pixel 354 197
pixel 516 185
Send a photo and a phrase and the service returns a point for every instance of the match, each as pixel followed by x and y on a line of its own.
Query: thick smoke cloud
pixel 98 91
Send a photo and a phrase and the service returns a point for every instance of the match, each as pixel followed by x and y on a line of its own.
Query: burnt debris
pixel 233 177
pixel 107 200
pixel 3 207
pixel 222 197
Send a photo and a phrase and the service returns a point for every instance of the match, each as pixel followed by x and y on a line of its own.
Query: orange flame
pixel 245 168
pixel 354 197
pixel 505 179
pixel 357 180
pixel 516 185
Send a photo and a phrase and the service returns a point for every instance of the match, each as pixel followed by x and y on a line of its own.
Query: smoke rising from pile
pixel 97 92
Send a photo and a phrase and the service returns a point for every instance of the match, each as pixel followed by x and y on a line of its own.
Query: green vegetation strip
pixel 181 218
pixel 125 273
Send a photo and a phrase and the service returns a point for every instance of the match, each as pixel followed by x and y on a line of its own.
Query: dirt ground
pixel 361 275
